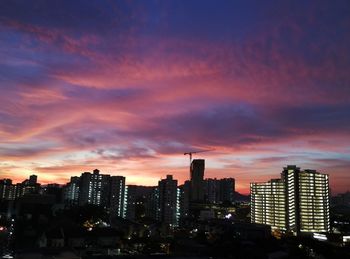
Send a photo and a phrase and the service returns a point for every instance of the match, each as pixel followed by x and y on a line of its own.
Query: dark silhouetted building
pixel 226 190
pixel 184 199
pixel 71 191
pixel 152 204
pixel 85 188
pixel 33 179
pixel 219 190
pixel 118 196
pixel 7 190
pixel 54 189
pixel 138 200
pixel 197 180
pixel 168 201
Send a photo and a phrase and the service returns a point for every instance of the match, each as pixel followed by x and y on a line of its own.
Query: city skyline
pixel 167 202
pixel 129 87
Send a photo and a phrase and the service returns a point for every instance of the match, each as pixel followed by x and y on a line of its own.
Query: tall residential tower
pixel 197 180
pixel 298 202
pixel 168 201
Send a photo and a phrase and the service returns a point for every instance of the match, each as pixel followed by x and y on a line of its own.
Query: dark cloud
pixel 313 118
pixel 77 16
pixel 243 124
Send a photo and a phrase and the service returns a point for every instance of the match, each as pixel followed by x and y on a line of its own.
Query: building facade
pixel 118 193
pixel 7 190
pixel 313 202
pixel 168 201
pixel 71 191
pixel 152 206
pixel 184 199
pixel 297 202
pixel 197 180
pixel 219 190
pixel 268 204
pixel 94 188
pixel 10 191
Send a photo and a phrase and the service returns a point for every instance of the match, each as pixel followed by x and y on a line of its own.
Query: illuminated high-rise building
pixel 268 203
pixel 290 175
pixel 313 202
pixel 298 202
pixel 94 188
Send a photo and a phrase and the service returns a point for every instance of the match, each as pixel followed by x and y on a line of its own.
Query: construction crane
pixel 195 152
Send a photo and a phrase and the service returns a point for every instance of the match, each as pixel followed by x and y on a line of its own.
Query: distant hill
pixel 241 197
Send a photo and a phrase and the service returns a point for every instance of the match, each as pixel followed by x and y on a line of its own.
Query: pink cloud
pixel 132 104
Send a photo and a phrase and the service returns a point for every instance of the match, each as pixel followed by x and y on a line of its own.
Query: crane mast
pixel 195 152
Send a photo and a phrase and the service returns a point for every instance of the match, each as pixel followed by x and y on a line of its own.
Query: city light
pixel 321 237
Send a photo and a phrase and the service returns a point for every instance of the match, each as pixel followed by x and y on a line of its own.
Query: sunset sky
pixel 129 86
